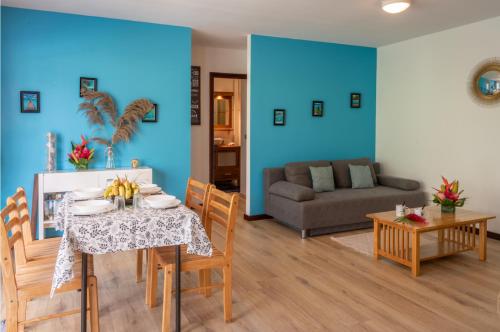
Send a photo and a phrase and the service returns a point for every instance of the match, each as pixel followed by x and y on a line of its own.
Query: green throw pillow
pixel 322 178
pixel 361 176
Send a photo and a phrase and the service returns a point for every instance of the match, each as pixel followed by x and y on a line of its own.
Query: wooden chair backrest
pixel 196 197
pixel 222 208
pixel 11 239
pixel 22 207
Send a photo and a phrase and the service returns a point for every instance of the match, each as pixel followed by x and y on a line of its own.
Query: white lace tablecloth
pixel 124 230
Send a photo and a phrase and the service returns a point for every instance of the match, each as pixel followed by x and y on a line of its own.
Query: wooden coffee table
pixel 455 233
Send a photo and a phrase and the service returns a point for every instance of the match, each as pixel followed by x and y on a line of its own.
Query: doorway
pixel 227 140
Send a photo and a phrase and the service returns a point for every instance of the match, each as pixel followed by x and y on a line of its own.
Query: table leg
pixel 482 240
pixel 415 254
pixel 177 288
pixel 376 238
pixel 83 319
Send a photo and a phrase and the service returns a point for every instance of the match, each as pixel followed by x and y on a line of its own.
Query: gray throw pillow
pixel 322 178
pixel 361 176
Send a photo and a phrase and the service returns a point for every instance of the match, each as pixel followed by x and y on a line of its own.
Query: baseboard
pixel 256 217
pixel 493 235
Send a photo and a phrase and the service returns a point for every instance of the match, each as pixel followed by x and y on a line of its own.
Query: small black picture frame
pixel 279 117
pixel 317 108
pixel 29 101
pixel 355 100
pixel 152 115
pixel 88 83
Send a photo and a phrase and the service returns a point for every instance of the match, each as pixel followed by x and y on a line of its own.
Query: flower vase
pixel 447 208
pixel 110 157
pixel 82 167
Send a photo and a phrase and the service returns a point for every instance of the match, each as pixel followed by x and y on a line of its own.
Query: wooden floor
pixel 283 283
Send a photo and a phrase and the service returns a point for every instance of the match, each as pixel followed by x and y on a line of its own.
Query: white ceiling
pixel 225 23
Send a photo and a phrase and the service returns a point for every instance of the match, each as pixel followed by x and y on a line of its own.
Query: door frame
pixel 213 76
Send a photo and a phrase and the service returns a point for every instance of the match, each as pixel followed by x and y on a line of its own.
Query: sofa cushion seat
pixel 344 206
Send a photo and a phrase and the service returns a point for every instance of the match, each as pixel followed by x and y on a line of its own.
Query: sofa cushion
pixel 399 183
pixel 322 178
pixel 348 206
pixel 299 172
pixel 361 176
pixel 341 171
pixel 292 191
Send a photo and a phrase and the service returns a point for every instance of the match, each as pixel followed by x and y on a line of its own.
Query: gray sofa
pixel 290 199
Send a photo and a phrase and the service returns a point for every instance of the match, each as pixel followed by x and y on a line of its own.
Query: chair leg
pixel 21 314
pixel 12 312
pixel 227 292
pixel 202 281
pixel 208 282
pixel 138 276
pixel 167 298
pixel 94 304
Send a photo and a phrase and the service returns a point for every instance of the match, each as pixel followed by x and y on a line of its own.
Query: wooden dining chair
pixel 222 209
pixel 25 280
pixel 195 199
pixel 34 249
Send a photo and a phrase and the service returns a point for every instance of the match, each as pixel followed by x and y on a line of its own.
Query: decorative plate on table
pixel 88 193
pixel 162 201
pixel 149 189
pixel 90 207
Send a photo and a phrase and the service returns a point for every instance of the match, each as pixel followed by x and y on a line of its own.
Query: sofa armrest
pixel 292 191
pixel 398 183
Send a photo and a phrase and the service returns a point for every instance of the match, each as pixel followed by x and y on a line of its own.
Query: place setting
pixel 118 195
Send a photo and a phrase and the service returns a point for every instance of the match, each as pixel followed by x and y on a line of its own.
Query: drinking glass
pixel 119 203
pixel 138 201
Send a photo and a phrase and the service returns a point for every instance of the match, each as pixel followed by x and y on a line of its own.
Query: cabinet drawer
pixel 227 174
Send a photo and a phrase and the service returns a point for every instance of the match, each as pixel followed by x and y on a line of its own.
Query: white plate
pixel 88 193
pixel 162 201
pixel 149 188
pixel 95 206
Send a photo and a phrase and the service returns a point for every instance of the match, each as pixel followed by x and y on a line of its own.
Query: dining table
pixel 122 230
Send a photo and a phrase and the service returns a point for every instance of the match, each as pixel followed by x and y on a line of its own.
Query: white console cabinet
pixel 53 185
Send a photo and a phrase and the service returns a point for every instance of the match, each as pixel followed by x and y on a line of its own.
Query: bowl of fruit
pixel 123 188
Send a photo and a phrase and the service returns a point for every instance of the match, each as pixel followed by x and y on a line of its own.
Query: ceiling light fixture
pixel 395 6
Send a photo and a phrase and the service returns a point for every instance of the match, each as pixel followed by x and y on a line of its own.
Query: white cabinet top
pixel 96 170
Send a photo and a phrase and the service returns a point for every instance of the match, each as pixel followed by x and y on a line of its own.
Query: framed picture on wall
pixel 152 115
pixel 355 100
pixel 87 84
pixel 279 117
pixel 195 95
pixel 317 108
pixel 30 101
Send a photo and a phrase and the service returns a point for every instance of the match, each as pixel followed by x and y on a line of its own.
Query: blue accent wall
pixel 48 52
pixel 290 74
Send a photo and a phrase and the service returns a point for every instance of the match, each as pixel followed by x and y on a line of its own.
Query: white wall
pixel 427 123
pixel 211 60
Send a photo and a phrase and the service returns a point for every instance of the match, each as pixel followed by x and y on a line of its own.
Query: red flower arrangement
pixel 448 196
pixel 81 155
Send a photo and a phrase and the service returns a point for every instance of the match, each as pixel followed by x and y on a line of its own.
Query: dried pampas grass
pixel 126 125
pixel 97 104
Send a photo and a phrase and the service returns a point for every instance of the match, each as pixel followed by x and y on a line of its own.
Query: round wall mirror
pixel 486 82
